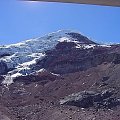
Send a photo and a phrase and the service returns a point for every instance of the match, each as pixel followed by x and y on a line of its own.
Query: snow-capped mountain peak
pixel 18 59
pixel 22 56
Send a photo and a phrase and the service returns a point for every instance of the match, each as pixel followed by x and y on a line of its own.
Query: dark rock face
pixel 1 79
pixel 65 58
pixel 41 77
pixel 3 55
pixel 87 99
pixel 3 68
pixel 81 38
pixel 65 45
pixel 105 78
pixel 116 59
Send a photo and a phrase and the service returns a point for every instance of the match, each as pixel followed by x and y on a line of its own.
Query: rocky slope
pixel 60 76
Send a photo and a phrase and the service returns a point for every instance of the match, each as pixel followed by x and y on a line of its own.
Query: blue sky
pixel 24 20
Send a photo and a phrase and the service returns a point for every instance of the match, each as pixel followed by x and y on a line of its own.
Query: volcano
pixel 61 76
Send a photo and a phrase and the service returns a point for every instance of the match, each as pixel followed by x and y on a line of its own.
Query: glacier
pixel 21 57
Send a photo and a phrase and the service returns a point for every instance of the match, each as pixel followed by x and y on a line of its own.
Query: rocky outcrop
pixel 81 38
pixel 88 99
pixel 3 55
pixel 3 68
pixel 1 79
pixel 66 58
pixel 42 77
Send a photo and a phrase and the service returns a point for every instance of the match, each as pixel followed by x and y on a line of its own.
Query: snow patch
pixel 88 46
pixel 105 45
pixel 85 46
pixel 41 70
pixel 64 39
pixel 8 80
pixel 55 74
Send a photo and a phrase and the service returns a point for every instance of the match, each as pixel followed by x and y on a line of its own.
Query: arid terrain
pixel 78 79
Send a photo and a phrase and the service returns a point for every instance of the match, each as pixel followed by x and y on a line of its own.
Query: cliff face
pixel 60 76
pixel 69 57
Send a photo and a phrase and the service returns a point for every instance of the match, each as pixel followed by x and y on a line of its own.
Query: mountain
pixel 19 59
pixel 62 75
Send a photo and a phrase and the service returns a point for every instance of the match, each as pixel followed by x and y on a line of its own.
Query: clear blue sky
pixel 24 20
